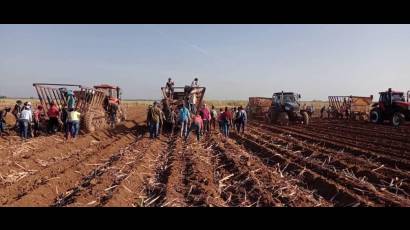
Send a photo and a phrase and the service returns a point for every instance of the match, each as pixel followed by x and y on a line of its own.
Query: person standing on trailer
pixel 26 117
pixel 170 87
pixel 195 83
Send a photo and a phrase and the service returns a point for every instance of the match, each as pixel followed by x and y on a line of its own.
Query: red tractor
pixel 112 97
pixel 392 106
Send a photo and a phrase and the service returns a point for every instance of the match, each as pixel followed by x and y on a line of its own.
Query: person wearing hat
pixel 25 120
pixel 53 117
pixel 18 107
pixel 3 114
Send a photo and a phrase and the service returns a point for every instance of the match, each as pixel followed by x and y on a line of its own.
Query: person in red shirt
pixel 53 116
pixel 226 121
pixel 206 117
pixel 38 113
pixel 197 126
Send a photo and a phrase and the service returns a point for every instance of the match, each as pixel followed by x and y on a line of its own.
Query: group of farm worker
pixel 202 122
pixel 29 121
pixel 344 110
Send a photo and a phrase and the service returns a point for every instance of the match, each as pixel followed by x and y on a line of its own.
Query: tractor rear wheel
pixel 397 119
pixel 305 116
pixel 376 116
pixel 88 123
pixel 283 119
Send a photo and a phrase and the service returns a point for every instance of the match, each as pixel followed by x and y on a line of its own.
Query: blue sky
pixel 232 61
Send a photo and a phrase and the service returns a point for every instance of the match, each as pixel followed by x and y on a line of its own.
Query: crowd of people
pixel 31 122
pixel 201 123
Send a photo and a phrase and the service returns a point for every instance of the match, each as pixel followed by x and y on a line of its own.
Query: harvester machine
pixel 179 96
pixel 89 102
pixel 358 107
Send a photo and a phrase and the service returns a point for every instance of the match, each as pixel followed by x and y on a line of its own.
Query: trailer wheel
pixel 88 123
pixel 305 118
pixel 375 116
pixel 397 119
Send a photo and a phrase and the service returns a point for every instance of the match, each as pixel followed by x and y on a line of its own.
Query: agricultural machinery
pixel 358 108
pixel 178 96
pixel 92 103
pixel 392 106
pixel 285 108
pixel 258 107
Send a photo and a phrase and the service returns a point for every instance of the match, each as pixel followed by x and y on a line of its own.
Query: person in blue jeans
pixel 184 116
pixel 25 120
pixel 3 114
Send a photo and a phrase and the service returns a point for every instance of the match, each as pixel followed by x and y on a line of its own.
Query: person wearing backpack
pixel 241 120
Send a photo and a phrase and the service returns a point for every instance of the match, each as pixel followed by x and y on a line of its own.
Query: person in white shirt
pixel 192 103
pixel 25 119
pixel 195 83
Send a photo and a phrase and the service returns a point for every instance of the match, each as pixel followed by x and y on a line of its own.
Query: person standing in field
pixel 234 118
pixel 112 113
pixel 220 121
pixel 197 126
pixel 241 120
pixel 214 116
pixel 173 119
pixel 74 122
pixel 38 114
pixel 206 117
pixel 322 110
pixel 184 116
pixel 3 114
pixel 53 117
pixel 25 120
pixel 18 107
pixel 226 121
pixel 153 119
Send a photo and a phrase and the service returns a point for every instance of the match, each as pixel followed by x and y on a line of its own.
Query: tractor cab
pixel 113 93
pixel 285 108
pixel 287 101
